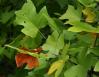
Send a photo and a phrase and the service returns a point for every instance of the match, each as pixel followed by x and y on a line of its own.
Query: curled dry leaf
pixel 30 61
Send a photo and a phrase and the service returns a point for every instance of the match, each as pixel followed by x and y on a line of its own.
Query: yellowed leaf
pixel 90 15
pixel 55 66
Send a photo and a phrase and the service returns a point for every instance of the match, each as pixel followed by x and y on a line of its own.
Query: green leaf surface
pixel 29 18
pixel 31 43
pixel 41 20
pixel 62 3
pixel 85 39
pixel 42 64
pixel 6 16
pixel 75 71
pixel 72 14
pixel 85 59
pixel 52 23
pixel 25 17
pixel 38 2
pixel 87 3
pixel 81 26
pixel 94 50
pixel 1 50
pixel 68 35
pixel 97 67
pixel 54 43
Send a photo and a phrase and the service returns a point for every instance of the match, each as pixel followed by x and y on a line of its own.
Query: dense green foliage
pixel 67 31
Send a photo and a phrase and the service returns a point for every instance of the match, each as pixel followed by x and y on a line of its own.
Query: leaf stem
pixel 24 51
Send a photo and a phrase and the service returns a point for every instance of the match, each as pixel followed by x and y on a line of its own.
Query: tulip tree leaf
pixel 72 14
pixel 81 26
pixel 54 43
pixel 29 18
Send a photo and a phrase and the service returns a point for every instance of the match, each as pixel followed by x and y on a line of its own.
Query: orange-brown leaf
pixel 30 61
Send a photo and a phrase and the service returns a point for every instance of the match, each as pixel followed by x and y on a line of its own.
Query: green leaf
pixel 97 0
pixel 71 72
pixel 41 21
pixel 38 2
pixel 72 14
pixel 85 39
pixel 62 3
pixel 87 3
pixel 31 43
pixel 42 64
pixel 85 59
pixel 1 50
pixel 81 26
pixel 25 16
pixel 75 71
pixel 97 67
pixel 31 21
pixel 54 43
pixel 94 50
pixel 75 29
pixel 5 16
pixel 3 36
pixel 9 53
pixel 64 52
pixel 16 42
pixel 29 28
pixel 52 23
pixel 68 35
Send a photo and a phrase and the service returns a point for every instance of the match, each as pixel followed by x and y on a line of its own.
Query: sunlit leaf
pixel 81 26
pixel 72 14
pixel 29 18
pixel 54 43
pixel 60 69
pixel 55 66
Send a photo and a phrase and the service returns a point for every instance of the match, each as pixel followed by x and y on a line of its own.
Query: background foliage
pixel 67 31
